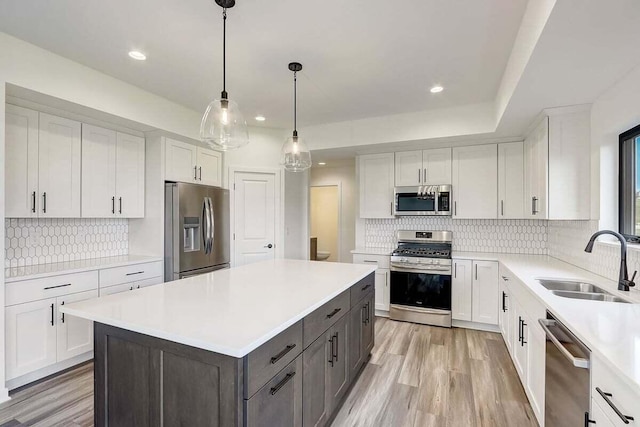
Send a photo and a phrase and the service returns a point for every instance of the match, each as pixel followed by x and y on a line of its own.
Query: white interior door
pixel 254 216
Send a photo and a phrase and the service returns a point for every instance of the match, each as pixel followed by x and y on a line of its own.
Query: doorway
pixel 325 221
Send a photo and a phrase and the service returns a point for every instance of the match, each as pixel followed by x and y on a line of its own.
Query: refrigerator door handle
pixel 212 221
pixel 205 225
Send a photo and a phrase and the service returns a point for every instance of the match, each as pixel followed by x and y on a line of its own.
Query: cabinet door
pixel 338 373
pixel 536 352
pixel 357 319
pixel 315 358
pixel 376 185
pixel 30 337
pixel 511 180
pixel 408 168
pixel 59 160
pixel 475 181
pixel 180 161
pixel 98 172
pixel 383 294
pixel 368 334
pixel 21 172
pixel 209 167
pixel 130 176
pixel 536 152
pixel 598 416
pixel 436 166
pixel 117 289
pixel 519 353
pixel 461 284
pixel 75 335
pixel 504 316
pixel 485 292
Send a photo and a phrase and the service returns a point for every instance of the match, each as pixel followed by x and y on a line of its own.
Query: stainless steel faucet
pixel 623 280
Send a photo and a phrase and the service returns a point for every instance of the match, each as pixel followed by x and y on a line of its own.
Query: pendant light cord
pixel 295 103
pixel 224 53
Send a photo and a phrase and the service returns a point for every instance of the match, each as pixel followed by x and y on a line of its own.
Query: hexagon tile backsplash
pixel 472 235
pixel 42 241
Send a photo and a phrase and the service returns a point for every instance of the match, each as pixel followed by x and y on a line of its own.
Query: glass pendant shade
pixel 223 126
pixel 296 156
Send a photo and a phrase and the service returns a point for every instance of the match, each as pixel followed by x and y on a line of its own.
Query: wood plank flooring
pixel 418 376
pixel 422 376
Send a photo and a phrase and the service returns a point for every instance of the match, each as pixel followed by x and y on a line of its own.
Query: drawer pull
pixel 280 355
pixel 365 287
pixel 332 346
pixel 333 313
pixel 281 384
pixel 57 286
pixel 625 418
pixel 62 303
pixel 52 315
pixel 133 274
pixel 370 261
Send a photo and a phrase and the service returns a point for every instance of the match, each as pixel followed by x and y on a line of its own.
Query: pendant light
pixel 223 127
pixel 296 157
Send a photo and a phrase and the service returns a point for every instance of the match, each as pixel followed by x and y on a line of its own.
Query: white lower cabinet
pixel 75 335
pixel 123 287
pixel 30 337
pixel 617 401
pixel 504 314
pixel 474 291
pixel 382 277
pixel 597 415
pixel 536 343
pixel 461 290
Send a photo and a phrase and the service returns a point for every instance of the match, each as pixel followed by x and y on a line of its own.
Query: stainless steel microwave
pixel 422 200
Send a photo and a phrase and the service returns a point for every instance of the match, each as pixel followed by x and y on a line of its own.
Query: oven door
pixel 417 288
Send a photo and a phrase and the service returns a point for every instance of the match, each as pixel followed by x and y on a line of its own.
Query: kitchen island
pixel 273 343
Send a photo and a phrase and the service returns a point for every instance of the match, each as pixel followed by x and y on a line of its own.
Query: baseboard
pixel 382 313
pixel 46 371
pixel 474 325
pixel 4 395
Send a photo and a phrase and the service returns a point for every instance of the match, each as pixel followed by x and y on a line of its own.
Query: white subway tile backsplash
pixel 474 235
pixel 42 241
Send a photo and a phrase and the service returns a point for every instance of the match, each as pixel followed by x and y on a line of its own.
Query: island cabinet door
pixel 279 402
pixel 338 374
pixel 368 327
pixel 357 319
pixel 316 364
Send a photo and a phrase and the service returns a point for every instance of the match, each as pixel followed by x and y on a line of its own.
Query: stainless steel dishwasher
pixel 567 379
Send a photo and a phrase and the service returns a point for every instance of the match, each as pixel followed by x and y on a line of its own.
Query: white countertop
pixel 15 274
pixel 611 330
pixel 231 311
pixel 372 251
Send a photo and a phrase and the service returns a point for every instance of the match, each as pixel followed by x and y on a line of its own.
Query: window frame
pixel 627 183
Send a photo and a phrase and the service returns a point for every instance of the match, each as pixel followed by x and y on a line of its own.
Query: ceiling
pixel 362 58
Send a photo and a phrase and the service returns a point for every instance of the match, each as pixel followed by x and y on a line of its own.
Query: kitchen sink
pixel 579 290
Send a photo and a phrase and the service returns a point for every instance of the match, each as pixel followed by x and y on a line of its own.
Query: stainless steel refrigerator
pixel 196 238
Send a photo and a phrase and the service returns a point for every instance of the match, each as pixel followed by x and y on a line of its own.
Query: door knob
pixel 269 246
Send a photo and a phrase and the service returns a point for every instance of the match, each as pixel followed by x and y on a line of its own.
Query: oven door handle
pixel 442 270
pixel 578 362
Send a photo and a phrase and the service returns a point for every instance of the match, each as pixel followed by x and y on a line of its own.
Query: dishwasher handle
pixel 578 362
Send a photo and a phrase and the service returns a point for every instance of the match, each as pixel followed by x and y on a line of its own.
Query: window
pixel 629 185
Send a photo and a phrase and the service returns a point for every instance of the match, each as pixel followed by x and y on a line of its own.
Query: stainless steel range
pixel 421 278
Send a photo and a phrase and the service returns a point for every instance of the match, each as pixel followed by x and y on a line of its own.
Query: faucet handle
pixel 631 282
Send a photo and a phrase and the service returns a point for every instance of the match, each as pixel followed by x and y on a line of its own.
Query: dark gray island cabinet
pixel 299 377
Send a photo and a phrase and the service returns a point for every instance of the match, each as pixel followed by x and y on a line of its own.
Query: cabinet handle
pixel 502 207
pixel 363 314
pixel 133 274
pixel 365 287
pixel 522 341
pixel 519 328
pixel 455 270
pixel 280 355
pixel 333 313
pixel 33 202
pixel 425 175
pixel 455 208
pixel 57 286
pixel 476 271
pixel 370 261
pixel 368 313
pixel 625 418
pixel 335 355
pixel 504 302
pixel 44 202
pixel 120 200
pixel 113 204
pixel 131 288
pixel 331 355
pixel 419 175
pixel 391 206
pixel 200 170
pixel 505 278
pixel 534 206
pixel 281 384
pixel 52 315
pixel 195 173
pixel 62 303
pixel 587 420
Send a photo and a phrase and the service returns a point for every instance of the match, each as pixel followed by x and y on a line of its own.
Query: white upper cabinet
pixel 59 159
pixel 188 163
pixel 511 180
pixel 558 165
pixel 475 182
pixel 112 174
pixel 130 152
pixel 21 169
pixel 426 167
pixel 376 179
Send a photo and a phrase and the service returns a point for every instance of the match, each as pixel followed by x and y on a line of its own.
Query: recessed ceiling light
pixel 137 55
pixel 322 163
pixel 437 89
pixel 261 118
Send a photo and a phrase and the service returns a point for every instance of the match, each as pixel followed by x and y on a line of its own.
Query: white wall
pixel 346 177
pixel 4 393
pixel 296 221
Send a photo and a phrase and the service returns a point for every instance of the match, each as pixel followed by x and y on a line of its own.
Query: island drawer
pixel 266 361
pixel 323 318
pixel 130 273
pixel 362 288
pixel 279 402
pixel 49 287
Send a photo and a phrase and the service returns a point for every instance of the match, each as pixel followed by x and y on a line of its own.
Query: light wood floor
pixel 418 376
pixel 421 376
